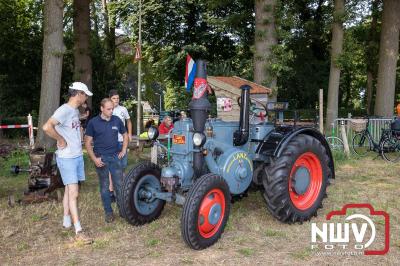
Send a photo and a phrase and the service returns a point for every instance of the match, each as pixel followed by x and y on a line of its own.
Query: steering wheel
pixel 254 110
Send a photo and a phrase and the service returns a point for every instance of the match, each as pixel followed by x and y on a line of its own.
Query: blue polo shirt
pixel 105 134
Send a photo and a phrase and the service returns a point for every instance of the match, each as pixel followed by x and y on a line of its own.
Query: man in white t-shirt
pixel 64 127
pixel 123 114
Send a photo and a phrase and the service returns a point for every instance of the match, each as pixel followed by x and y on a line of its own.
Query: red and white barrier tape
pixel 14 126
pixel 29 126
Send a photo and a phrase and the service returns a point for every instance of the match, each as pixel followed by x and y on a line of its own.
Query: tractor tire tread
pixel 276 192
pixel 129 182
pixel 191 207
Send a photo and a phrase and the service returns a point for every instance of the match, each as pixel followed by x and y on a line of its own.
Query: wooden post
pixel 344 138
pixel 348 124
pixel 30 129
pixel 321 111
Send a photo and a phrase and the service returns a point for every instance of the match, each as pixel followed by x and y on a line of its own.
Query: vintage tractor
pixel 212 161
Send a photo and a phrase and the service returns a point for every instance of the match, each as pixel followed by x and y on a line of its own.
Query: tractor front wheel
pixel 295 183
pixel 138 205
pixel 205 212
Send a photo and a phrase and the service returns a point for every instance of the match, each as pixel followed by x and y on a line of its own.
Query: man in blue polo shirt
pixel 106 153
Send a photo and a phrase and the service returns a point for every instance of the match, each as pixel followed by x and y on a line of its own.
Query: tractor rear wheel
pixel 205 212
pixel 138 205
pixel 295 183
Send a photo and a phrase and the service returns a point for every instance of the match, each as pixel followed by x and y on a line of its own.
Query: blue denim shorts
pixel 72 170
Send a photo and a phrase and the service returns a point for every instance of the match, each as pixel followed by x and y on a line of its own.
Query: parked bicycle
pixel 335 143
pixel 388 145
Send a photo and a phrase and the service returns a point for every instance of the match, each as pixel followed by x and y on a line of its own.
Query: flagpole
pixel 139 96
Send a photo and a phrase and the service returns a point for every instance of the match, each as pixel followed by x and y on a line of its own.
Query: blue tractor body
pixel 233 163
pixel 210 162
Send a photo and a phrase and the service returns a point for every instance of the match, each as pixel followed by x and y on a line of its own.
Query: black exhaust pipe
pixel 241 136
pixel 199 108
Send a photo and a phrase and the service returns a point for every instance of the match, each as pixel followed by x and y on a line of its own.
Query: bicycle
pixel 388 146
pixel 335 143
pixel 391 147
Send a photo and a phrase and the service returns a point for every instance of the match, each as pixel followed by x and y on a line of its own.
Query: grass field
pixel 33 235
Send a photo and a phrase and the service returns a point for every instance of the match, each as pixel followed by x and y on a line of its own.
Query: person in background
pixel 64 127
pixel 398 110
pixel 166 125
pixel 182 115
pixel 84 116
pixel 123 114
pixel 106 154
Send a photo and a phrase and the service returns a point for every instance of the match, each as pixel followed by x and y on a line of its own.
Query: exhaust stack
pixel 241 136
pixel 199 107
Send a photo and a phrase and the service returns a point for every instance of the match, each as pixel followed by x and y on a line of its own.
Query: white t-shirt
pixel 69 128
pixel 123 114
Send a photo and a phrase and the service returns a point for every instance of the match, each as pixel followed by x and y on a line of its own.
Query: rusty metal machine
pixel 44 177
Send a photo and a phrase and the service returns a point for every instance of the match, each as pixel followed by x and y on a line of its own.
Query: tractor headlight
pixel 199 139
pixel 152 133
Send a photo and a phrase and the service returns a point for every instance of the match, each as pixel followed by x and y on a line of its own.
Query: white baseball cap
pixel 79 86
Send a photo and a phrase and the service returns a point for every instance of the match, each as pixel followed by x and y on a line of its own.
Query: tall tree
pixel 334 75
pixel 265 39
pixel 371 54
pixel 109 30
pixel 82 59
pixel 53 50
pixel 388 53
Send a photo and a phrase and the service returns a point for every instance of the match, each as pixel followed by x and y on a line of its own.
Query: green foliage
pixel 220 31
pixel 217 31
pixel 20 56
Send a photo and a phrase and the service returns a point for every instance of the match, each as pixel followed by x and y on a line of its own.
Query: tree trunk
pixel 53 51
pixel 388 52
pixel 334 75
pixel 82 59
pixel 265 39
pixel 109 31
pixel 95 19
pixel 370 91
pixel 371 69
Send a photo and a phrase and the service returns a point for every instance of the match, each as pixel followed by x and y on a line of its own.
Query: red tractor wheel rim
pixel 211 213
pixel 312 163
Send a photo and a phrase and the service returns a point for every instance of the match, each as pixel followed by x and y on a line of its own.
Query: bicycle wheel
pixel 335 143
pixel 361 144
pixel 390 149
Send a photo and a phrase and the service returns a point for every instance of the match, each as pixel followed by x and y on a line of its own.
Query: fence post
pixel 30 131
pixel 321 111
pixel 344 138
pixel 348 124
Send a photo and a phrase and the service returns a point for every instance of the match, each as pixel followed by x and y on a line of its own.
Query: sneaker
pixel 112 196
pixel 66 228
pixel 109 218
pixel 83 238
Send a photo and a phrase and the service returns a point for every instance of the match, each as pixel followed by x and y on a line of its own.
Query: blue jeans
pixel 124 160
pixel 113 166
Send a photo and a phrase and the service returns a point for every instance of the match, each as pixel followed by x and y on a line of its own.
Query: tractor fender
pixel 306 131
